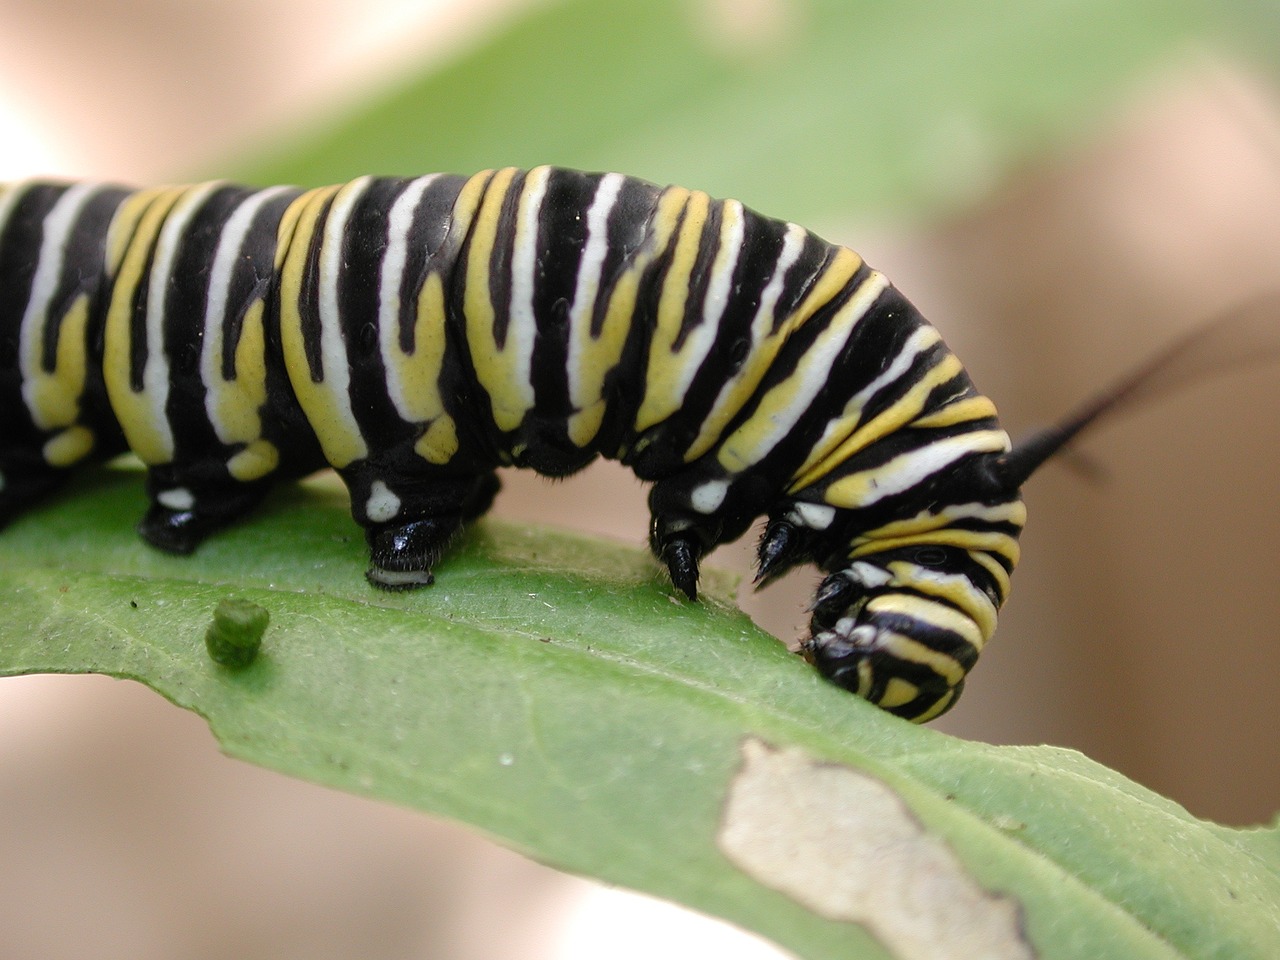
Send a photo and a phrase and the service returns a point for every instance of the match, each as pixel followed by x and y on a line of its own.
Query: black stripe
pixel 253 276
pixel 186 300
pixel 427 250
pixel 813 262
pixel 629 229
pixel 83 270
pixel 309 296
pixel 138 306
pixel 20 242
pixel 700 275
pixel 364 246
pixel 501 256
pixel 562 237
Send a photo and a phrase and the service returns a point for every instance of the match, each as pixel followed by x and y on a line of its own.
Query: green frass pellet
pixel 235 636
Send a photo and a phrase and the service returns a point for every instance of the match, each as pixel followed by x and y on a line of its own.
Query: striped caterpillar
pixel 415 334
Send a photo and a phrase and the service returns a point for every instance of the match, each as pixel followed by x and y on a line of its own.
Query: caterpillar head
pixel 914 581
pixel 902 626
pixel 911 599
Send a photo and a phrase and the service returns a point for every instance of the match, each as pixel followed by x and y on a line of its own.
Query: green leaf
pixel 554 693
pixel 882 107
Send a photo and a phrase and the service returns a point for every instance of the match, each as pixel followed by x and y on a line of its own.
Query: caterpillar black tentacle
pixel 415 334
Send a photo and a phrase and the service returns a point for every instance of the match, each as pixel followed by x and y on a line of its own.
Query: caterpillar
pixel 415 334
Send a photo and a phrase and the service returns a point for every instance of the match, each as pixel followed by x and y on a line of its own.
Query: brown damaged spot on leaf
pixel 848 848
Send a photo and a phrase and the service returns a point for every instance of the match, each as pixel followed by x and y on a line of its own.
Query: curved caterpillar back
pixel 415 334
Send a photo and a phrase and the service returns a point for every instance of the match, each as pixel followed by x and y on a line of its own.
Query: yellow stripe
pixel 420 374
pixel 667 369
pixel 908 469
pixel 124 223
pixel 326 409
pixel 234 404
pixel 939 707
pixel 998 573
pixel 68 446
pixel 897 692
pixel 989 541
pixel 420 371
pixel 289 223
pixel 838 429
pixel 929 612
pixel 130 253
pixel 515 393
pixel 781 408
pixel 962 411
pixel 54 397
pixel 765 346
pixel 823 459
pixel 600 355
pixel 955 588
pixel 913 651
pixel 412 377
pixel 10 194
pixel 866 677
pixel 1011 511
pixel 494 365
pixel 254 462
pixel 439 442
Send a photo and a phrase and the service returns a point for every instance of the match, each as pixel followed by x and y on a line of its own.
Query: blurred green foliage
pixel 812 110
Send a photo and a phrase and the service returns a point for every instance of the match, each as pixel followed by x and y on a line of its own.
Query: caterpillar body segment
pixel 52 293
pixel 417 333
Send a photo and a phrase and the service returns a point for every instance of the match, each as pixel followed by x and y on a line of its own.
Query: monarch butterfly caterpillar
pixel 415 334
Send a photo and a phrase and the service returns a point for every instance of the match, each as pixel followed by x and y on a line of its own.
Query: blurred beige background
pixel 1142 628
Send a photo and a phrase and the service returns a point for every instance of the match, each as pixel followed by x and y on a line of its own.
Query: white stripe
pixel 230 243
pixel 57 227
pixel 391 281
pixel 587 289
pixel 867 574
pixel 334 365
pixel 750 444
pixel 698 342
pixel 842 426
pixel 155 371
pixel 383 505
pixel 814 516
pixel 920 341
pixel 1011 511
pixel 709 497
pixel 176 498
pixel 762 325
pixel 522 326
pixel 928 521
pixel 905 471
pixel 765 318
pixel 717 298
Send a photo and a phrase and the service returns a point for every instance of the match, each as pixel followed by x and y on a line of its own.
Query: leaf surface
pixel 553 692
